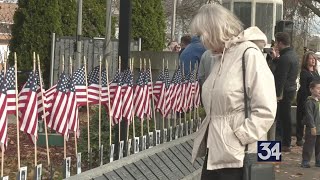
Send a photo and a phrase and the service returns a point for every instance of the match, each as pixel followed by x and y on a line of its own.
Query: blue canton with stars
pixel 79 77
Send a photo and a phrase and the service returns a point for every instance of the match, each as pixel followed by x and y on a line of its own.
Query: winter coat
pixel 225 131
pixel 312 118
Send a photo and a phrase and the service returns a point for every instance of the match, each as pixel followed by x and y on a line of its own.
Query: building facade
pixel 261 13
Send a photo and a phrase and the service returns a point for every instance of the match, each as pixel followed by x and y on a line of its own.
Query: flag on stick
pixel 3 111
pixel 58 118
pixel 116 98
pixel 80 86
pixel 140 96
pixel 11 90
pixel 28 107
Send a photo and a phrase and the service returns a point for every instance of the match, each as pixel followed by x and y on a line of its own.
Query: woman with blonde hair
pixel 225 131
pixel 308 73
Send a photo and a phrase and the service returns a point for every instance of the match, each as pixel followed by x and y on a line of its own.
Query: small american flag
pixel 104 89
pixel 168 92
pixel 58 118
pixel 94 86
pixel 176 90
pixel 127 96
pixel 72 107
pixel 140 96
pixel 11 90
pixel 116 98
pixel 3 110
pixel 197 94
pixel 80 86
pixel 190 95
pixel 28 107
pixel 159 93
pixel 148 86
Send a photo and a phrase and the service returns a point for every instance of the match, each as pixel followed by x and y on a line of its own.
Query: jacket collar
pixel 283 51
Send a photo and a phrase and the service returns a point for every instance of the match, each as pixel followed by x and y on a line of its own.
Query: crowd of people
pixel 218 46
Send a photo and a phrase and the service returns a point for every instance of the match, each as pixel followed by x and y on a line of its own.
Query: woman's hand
pixel 314 131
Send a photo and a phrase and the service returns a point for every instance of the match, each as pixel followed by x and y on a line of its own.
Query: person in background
pixel 312 121
pixel 173 46
pixel 225 131
pixel 184 42
pixel 192 53
pixel 206 62
pixel 308 73
pixel 285 76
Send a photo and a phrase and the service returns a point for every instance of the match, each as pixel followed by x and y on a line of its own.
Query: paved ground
pixel 290 167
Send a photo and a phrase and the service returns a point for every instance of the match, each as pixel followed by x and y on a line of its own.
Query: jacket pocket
pixel 231 140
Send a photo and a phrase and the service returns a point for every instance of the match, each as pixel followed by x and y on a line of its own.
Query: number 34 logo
pixel 269 151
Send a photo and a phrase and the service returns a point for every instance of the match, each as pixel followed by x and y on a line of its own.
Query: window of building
pixel 279 12
pixel 243 11
pixel 227 5
pixel 264 17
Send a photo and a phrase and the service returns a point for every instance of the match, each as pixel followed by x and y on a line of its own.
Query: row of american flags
pixel 122 98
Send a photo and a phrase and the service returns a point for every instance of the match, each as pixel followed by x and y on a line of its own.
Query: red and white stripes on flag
pixel 140 93
pixel 28 107
pixel 72 107
pixel 116 98
pixel 176 90
pixel 94 86
pixel 148 87
pixel 59 115
pixel 3 110
pixel 11 90
pixel 80 86
pixel 159 93
pixel 197 94
pixel 127 95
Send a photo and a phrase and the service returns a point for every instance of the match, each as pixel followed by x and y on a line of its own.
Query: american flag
pixel 80 86
pixel 49 98
pixel 190 96
pixel 94 86
pixel 104 89
pixel 116 98
pixel 159 93
pixel 140 93
pixel 187 93
pixel 72 107
pixel 196 94
pixel 28 107
pixel 148 86
pixel 3 110
pixel 58 118
pixel 168 92
pixel 39 95
pixel 127 96
pixel 176 90
pixel 11 90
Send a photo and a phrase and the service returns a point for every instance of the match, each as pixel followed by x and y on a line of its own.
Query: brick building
pixel 7 9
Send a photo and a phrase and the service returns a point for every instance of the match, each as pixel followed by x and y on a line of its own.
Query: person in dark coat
pixel 285 76
pixel 307 75
pixel 185 41
pixel 312 122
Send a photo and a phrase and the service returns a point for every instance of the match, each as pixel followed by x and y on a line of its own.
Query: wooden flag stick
pixel 120 117
pixel 141 120
pixel 75 133
pixel 35 142
pixel 152 100
pixel 44 111
pixel 100 91
pixel 2 158
pixel 64 137
pixel 109 103
pixel 145 68
pixel 165 98
pixel 133 123
pixel 2 144
pixel 17 110
pixel 88 112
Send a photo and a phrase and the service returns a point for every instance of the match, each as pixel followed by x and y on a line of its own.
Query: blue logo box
pixel 269 151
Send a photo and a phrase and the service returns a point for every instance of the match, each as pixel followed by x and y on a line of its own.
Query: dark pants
pixel 284 117
pixel 312 143
pixel 299 125
pixel 221 174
